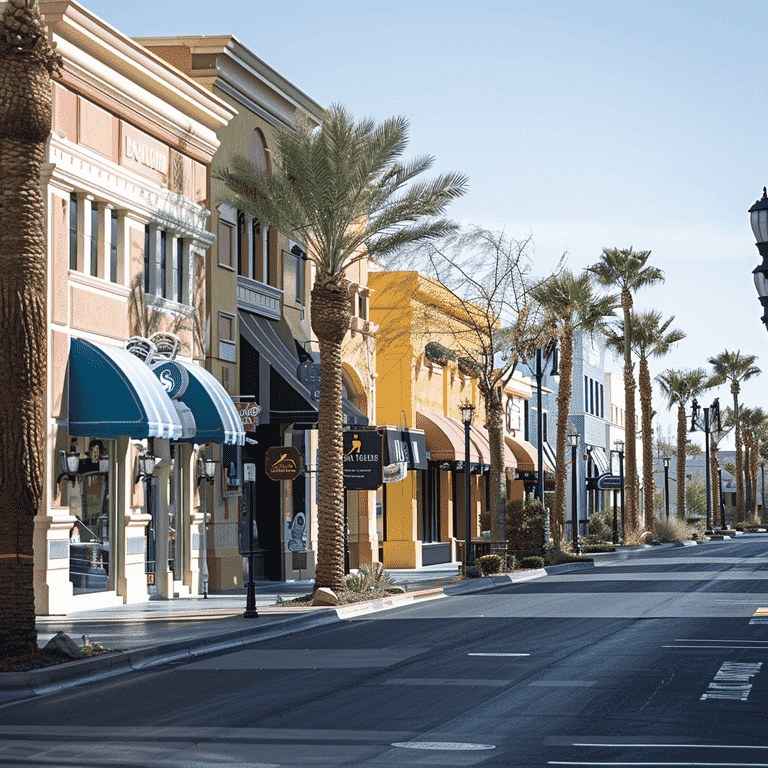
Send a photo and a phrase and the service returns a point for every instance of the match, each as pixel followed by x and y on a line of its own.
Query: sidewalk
pixel 161 631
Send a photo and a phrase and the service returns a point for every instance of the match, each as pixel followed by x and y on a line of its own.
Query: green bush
pixel 490 564
pixel 598 548
pixel 601 525
pixel 368 578
pixel 559 558
pixel 472 572
pixel 532 561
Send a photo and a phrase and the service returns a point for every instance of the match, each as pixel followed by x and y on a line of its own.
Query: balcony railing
pixel 259 298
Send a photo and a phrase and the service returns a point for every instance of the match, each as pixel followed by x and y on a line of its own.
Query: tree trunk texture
pixel 330 321
pixel 646 416
pixel 630 429
pixel 739 457
pixel 563 408
pixel 682 439
pixel 495 425
pixel 26 63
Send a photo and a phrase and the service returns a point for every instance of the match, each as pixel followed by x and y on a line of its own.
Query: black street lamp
pixel 703 424
pixel 619 448
pixel 758 217
pixel 146 467
pixel 540 357
pixel 666 484
pixel 467 411
pixel 573 440
pixel 207 473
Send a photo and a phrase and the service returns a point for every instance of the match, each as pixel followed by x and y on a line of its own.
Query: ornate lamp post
pixel 703 424
pixel 207 473
pixel 467 412
pixel 666 459
pixel 573 441
pixel 758 217
pixel 540 362
pixel 619 448
pixel 146 467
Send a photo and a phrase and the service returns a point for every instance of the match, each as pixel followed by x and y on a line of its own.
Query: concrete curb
pixel 504 579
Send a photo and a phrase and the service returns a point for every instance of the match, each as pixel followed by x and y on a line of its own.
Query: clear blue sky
pixel 585 124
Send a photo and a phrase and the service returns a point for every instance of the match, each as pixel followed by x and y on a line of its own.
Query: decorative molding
pixel 259 298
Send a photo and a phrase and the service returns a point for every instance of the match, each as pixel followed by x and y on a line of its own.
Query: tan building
pixel 127 190
pixel 422 383
pixel 262 350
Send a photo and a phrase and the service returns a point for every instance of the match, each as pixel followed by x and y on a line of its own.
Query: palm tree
pixel 626 270
pixel 735 367
pixel 753 423
pixel 342 189
pixel 27 63
pixel 650 338
pixel 679 387
pixel 569 304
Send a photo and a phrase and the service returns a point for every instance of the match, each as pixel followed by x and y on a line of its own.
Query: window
pixel 163 265
pixel 113 247
pixel 242 245
pixel 586 393
pixel 526 414
pixel 300 257
pixel 226 327
pixel 226 242
pixel 602 402
pixel 94 239
pixel 178 269
pixel 147 259
pixel 73 231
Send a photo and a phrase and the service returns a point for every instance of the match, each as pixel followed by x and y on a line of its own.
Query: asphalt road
pixel 651 661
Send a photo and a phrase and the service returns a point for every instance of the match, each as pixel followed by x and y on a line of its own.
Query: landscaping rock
pixel 325 596
pixel 396 590
pixel 65 644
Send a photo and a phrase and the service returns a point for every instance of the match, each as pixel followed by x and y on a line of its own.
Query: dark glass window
pixel 242 265
pixel 586 393
pixel 94 239
pixel 73 231
pixel 113 248
pixel 300 259
pixel 147 259
pixel 179 269
pixel 163 264
pixel 256 250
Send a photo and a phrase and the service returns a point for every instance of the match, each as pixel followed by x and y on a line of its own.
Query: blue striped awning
pixel 112 393
pixel 216 418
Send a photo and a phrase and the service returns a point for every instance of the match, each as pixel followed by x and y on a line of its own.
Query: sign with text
pixel 405 445
pixel 608 482
pixel 283 462
pixel 249 415
pixel 362 460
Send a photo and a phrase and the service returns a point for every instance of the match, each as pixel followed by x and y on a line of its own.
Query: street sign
pixel 608 482
pixel 282 462
pixel 249 473
pixel 363 460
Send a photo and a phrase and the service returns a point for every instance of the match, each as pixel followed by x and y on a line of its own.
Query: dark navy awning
pixel 112 393
pixel 216 418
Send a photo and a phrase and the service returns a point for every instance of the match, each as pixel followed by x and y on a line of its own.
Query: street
pixel 653 660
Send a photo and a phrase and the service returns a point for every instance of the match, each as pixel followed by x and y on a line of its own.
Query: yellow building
pixel 421 383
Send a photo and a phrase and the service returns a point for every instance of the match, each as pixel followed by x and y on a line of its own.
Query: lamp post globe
pixel 758 217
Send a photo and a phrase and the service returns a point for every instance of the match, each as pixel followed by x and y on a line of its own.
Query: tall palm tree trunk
pixel 330 321
pixel 26 64
pixel 495 425
pixel 649 489
pixel 682 439
pixel 630 429
pixel 563 408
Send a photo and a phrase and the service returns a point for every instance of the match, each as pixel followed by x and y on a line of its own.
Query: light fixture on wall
pixel 69 464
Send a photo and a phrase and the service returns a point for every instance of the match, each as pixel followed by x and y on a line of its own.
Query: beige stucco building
pixel 126 186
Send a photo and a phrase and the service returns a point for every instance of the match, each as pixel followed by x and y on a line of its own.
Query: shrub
pixel 489 564
pixel 472 572
pixel 601 525
pixel 634 537
pixel 598 548
pixel 559 558
pixel 532 561
pixel 368 578
pixel 673 529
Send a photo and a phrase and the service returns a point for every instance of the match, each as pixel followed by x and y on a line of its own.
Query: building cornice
pixel 101 55
pixel 245 78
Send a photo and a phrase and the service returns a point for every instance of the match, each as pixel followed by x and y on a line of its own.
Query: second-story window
pixel 113 228
pixel 178 270
pixel 94 239
pixel 163 264
pixel 73 231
